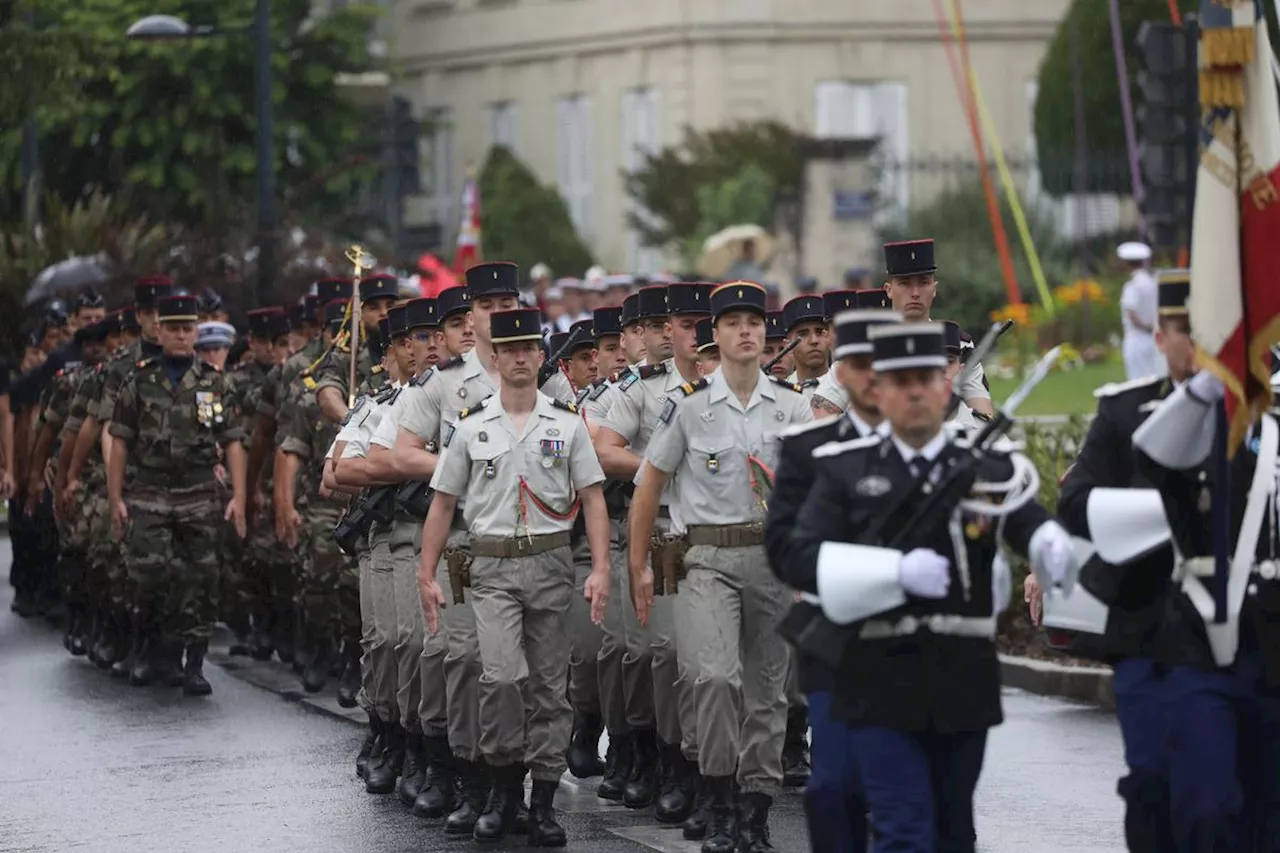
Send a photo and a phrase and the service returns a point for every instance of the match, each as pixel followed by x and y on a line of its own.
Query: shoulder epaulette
pixel 782 383
pixel 629 377
pixel 568 407
pixel 421 379
pixel 471 410
pixel 800 429
pixel 145 362
pixel 835 448
pixel 453 362
pixel 376 369
pixel 1111 389
pixel 386 394
pixel 690 387
pixel 649 370
pixel 809 383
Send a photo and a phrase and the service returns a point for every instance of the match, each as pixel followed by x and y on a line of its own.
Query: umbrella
pixel 723 249
pixel 68 275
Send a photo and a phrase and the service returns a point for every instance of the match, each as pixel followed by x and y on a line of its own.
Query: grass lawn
pixel 1067 392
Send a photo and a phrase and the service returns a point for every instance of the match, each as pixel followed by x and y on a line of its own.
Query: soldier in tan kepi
pixel 720 443
pixel 525 466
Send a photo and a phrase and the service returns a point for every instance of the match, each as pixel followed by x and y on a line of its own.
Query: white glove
pixel 1206 387
pixel 925 573
pixel 1001 583
pixel 1053 555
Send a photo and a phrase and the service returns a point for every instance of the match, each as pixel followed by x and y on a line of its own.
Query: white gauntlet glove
pixel 1206 387
pixel 1053 556
pixel 925 573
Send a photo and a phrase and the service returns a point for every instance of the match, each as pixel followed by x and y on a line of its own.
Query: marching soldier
pixel 606 324
pixel 427 413
pixel 671 747
pixel 171 416
pixel 920 684
pixel 708 349
pixel 719 442
pixel 834 802
pixel 632 342
pixel 829 396
pixel 1136 593
pixel 525 465
pixel 953 339
pixel 805 317
pixel 377 294
pixel 577 363
pixel 775 338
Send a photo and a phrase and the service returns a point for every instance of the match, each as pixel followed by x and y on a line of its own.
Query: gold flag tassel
pixel 1224 53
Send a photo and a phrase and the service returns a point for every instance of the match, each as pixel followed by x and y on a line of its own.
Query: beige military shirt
pixel 558 388
pixel 705 439
pixel 517 482
pixel 430 409
pixel 830 390
pixel 807 386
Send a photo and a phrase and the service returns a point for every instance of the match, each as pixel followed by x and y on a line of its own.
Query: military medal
pixel 713 464
pixel 489 471
pixel 552 451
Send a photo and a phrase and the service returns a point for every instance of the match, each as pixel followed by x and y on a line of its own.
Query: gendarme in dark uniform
pixel 833 798
pixel 1135 593
pixel 920 686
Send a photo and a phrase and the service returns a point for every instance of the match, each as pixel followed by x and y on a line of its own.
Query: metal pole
pixel 30 151
pixel 1126 113
pixel 1081 171
pixel 266 155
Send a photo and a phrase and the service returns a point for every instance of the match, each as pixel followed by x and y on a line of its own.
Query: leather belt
pixel 182 479
pixel 727 535
pixel 518 546
pixel 939 623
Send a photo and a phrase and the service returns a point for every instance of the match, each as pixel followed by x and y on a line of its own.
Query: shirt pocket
pixel 718 466
pixel 768 449
pixel 491 461
pixel 546 469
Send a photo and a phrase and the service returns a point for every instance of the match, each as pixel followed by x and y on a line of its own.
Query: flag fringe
pixel 1220 88
pixel 1227 47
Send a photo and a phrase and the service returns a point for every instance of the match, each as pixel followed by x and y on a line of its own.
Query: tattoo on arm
pixel 824 406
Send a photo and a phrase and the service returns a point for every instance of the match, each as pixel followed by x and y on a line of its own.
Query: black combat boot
pixel 194 683
pixel 584 747
pixel 795 749
pixel 475 778
pixel 366 748
pixel 544 831
pixel 753 829
pixel 617 767
pixel 284 634
pixel 77 630
pixel 437 797
pixel 112 643
pixel 241 632
pixel 694 827
pixel 520 825
pixel 676 790
pixel 415 769
pixel 131 649
pixel 261 646
pixel 642 784
pixel 384 772
pixel 143 671
pixel 349 681
pixel 499 815
pixel 722 835
pixel 316 673
pixel 169 663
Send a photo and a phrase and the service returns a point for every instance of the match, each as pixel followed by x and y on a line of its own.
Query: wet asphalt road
pixel 87 763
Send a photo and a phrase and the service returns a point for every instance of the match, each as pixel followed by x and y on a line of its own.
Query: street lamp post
pixel 169 28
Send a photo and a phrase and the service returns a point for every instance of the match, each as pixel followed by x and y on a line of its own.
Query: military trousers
pixel 382 594
pixel 172 555
pixel 584 639
pixel 368 632
pixel 668 683
pixel 406 541
pixel 637 655
pixel 522 623
pixel 1143 718
pixel 461 664
pixel 732 604
pixel 620 639
pixel 330 586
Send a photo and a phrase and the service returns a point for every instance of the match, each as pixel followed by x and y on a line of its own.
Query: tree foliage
pixel 679 188
pixel 170 127
pixel 1104 121
pixel 970 283
pixel 745 198
pixel 525 222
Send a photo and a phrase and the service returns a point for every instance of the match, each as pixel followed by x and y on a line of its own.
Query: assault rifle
pixel 551 365
pixel 768 366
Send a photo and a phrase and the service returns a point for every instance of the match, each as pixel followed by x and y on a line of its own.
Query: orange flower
pixel 1019 314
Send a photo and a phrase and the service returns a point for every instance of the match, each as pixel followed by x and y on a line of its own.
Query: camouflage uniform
pixel 173 433
pixel 330 587
pixel 73 532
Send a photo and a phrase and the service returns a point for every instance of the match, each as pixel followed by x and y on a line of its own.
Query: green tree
pixel 746 198
pixel 673 185
pixel 970 283
pixel 1104 121
pixel 170 127
pixel 525 222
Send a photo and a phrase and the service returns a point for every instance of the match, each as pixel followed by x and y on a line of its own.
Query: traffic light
pixel 1168 117
pixel 404 155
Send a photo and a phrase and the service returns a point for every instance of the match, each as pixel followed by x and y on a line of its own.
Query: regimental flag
pixel 1235 237
pixel 467 253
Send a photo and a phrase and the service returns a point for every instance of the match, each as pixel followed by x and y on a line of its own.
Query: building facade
pixel 581 89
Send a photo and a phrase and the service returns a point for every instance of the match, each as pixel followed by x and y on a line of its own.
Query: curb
pixel 280 679
pixel 1091 684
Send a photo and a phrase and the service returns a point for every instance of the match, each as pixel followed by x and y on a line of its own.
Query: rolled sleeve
pixel 623 416
pixel 123 416
pixel 334 374
pixel 584 465
pixel 450 477
pixel 420 411
pixel 668 444
pixel 295 446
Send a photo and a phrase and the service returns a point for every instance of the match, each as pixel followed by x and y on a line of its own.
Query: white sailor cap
pixel 553 294
pixel 540 271
pixel 568 284
pixel 213 335
pixel 594 273
pixel 1134 251
pixel 619 280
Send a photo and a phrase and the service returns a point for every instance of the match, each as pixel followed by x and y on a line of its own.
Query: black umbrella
pixel 69 275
